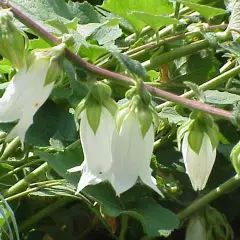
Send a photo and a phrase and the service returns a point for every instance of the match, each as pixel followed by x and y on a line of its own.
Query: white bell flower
pixel 29 89
pixel 131 155
pixel 24 95
pixel 198 166
pixel 96 149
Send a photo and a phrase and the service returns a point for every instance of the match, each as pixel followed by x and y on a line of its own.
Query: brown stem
pixel 121 79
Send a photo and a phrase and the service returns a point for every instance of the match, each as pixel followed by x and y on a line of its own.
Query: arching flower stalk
pixel 29 89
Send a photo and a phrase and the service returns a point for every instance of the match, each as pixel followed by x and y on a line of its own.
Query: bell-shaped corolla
pixel 131 153
pixel 28 90
pixel 198 165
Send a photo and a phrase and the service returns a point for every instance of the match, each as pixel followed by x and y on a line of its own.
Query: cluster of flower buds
pixel 208 224
pixel 198 139
pixel 117 142
pixel 34 80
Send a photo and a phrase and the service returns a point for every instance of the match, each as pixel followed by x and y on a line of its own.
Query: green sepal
pixel 214 135
pixel 206 120
pixel 93 112
pixel 145 118
pixel 195 138
pixel 78 110
pixel 130 93
pixel 54 72
pixel 13 41
pixel 235 157
pixel 145 96
pixel 156 119
pixel 100 91
pixel 211 129
pixel 111 106
pixel 219 228
pixel 184 128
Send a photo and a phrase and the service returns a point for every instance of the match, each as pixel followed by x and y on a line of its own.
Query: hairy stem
pixel 211 83
pixel 229 185
pixel 23 183
pixel 121 79
pixel 45 212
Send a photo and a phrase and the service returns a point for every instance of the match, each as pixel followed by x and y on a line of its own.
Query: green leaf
pixel 133 67
pixel 125 7
pixel 5 66
pixel 172 115
pixel 154 217
pixel 93 52
pixel 155 21
pixel 38 43
pixel 197 91
pixel 232 47
pixel 84 12
pixel 204 10
pixel 62 161
pixel 43 10
pixel 220 98
pixel 196 67
pixel 59 25
pixel 59 14
pixel 74 75
pixel 49 120
pixel 107 34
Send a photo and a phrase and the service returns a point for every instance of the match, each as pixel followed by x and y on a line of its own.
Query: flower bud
pixel 196 229
pixel 199 138
pixel 218 226
pixel 235 157
pixel 13 41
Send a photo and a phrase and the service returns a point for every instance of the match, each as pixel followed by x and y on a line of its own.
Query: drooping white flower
pixel 96 148
pixel 196 229
pixel 131 155
pixel 25 94
pixel 198 166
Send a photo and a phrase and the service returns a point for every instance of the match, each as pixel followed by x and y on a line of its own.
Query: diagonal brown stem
pixel 121 79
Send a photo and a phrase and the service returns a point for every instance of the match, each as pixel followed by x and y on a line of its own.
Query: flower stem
pixel 211 83
pixel 10 148
pixel 124 227
pixel 45 212
pixel 23 183
pixel 227 186
pixel 17 169
pixel 121 79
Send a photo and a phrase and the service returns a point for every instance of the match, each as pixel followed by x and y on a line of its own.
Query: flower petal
pixel 96 148
pixel 144 169
pixel 198 167
pixel 126 150
pixel 24 96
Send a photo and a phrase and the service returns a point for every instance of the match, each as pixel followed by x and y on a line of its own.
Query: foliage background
pixel 47 207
